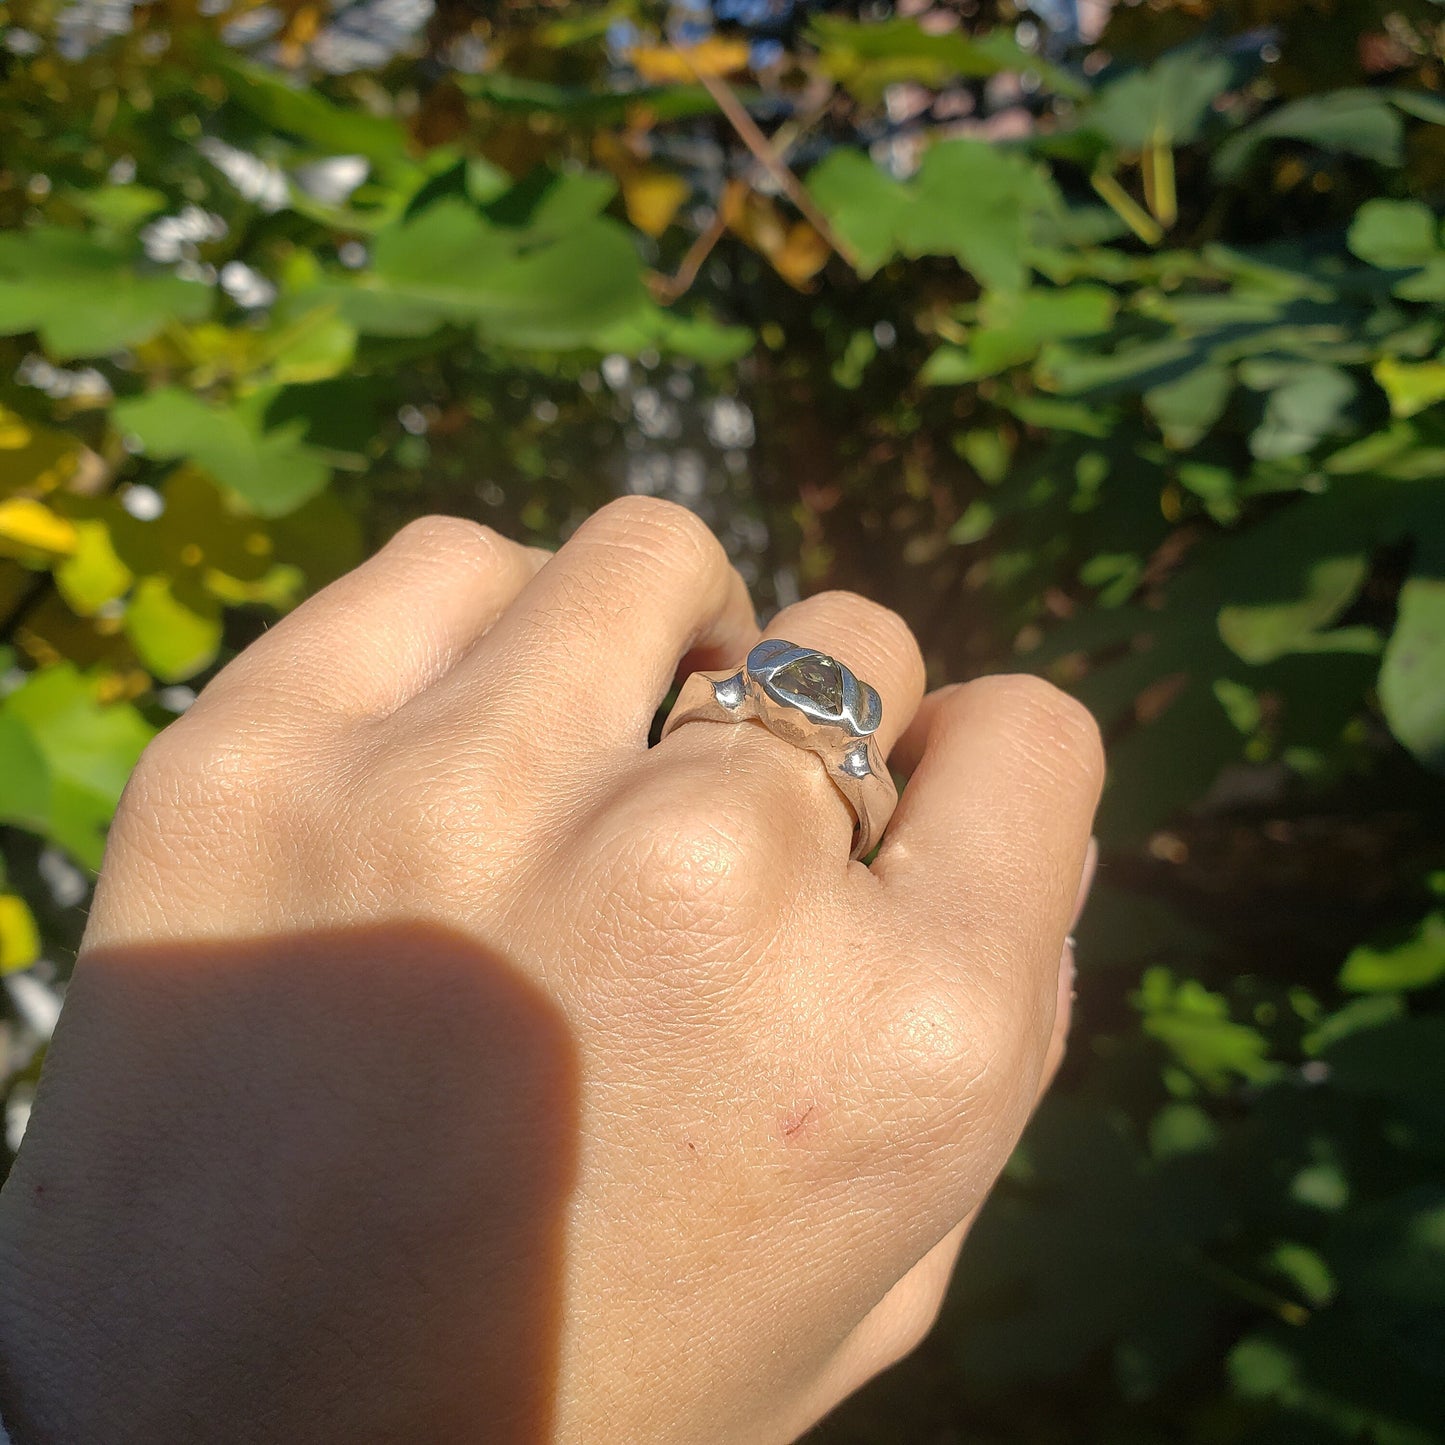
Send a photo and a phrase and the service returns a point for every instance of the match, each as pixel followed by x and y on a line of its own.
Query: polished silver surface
pixel 810 700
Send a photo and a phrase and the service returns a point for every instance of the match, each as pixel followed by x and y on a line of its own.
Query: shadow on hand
pixel 305 1188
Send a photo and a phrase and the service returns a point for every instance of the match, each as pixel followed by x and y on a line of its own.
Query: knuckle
pixel 184 762
pixel 885 634
pixel 879 619
pixel 681 883
pixel 951 1053
pixel 685 861
pixel 460 544
pixel 661 530
pixel 456 540
pixel 928 1042
pixel 208 792
pixel 1061 724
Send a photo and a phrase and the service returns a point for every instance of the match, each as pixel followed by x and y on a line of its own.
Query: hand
pixel 443 1064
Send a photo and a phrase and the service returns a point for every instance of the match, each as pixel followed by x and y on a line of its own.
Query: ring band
pixel 814 702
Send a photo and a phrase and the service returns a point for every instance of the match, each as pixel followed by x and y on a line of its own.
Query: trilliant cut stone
pixel 816 679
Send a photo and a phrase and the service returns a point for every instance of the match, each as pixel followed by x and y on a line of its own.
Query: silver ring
pixel 810 700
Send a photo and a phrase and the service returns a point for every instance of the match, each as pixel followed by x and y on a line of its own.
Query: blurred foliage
pixel 1117 357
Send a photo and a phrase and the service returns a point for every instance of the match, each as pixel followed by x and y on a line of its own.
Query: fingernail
pixel 1086 882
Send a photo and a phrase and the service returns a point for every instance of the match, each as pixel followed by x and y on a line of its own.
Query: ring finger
pixel 879 648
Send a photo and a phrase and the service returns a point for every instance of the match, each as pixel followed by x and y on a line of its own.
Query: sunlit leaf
pixel 92 575
pixel 273 470
pixel 175 627
pixel 450 266
pixel 1414 961
pixel 1411 386
pixel 24 775
pixel 89 748
pixel 87 297
pixel 716 55
pixel 1194 1025
pixel 19 937
pixel 653 197
pixel 969 200
pixel 29 526
pixel 868 56
pixel 1263 631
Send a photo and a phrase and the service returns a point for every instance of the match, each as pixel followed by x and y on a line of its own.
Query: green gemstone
pixel 816 679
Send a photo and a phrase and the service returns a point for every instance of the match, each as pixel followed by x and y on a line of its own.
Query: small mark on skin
pixel 791 1127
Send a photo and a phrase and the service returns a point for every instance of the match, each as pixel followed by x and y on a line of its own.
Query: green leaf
pixel 300 110
pixel 547 205
pixel 1260 1369
pixel 977 203
pixel 863 202
pixel 89 748
pixel 1411 386
pixel 1307 402
pixel 1360 1013
pixel 24 776
pixel 1194 1025
pixel 1187 407
pixel 1414 961
pixel 1166 104
pixel 1014 324
pixel 582 105
pixel 1421 104
pixel 1412 673
pixel 1394 234
pixel 119 208
pixel 448 265
pixel 174 627
pixel 1262 631
pixel 969 200
pixel 1305 1270
pixel 1179 1129
pixel 92 575
pixel 975 523
pixel 1349 122
pixel 88 297
pixel 867 57
pixel 272 471
pixel 697 337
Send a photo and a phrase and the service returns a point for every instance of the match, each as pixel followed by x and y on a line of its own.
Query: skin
pixel 443 1063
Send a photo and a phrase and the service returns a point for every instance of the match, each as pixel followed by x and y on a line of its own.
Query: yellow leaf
pixel 664 65
pixel 795 249
pixel 19 937
pixel 801 256
pixel 652 198
pixel 1411 387
pixel 92 575
pixel 30 526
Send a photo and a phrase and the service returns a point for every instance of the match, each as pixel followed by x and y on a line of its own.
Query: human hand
pixel 444 1064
